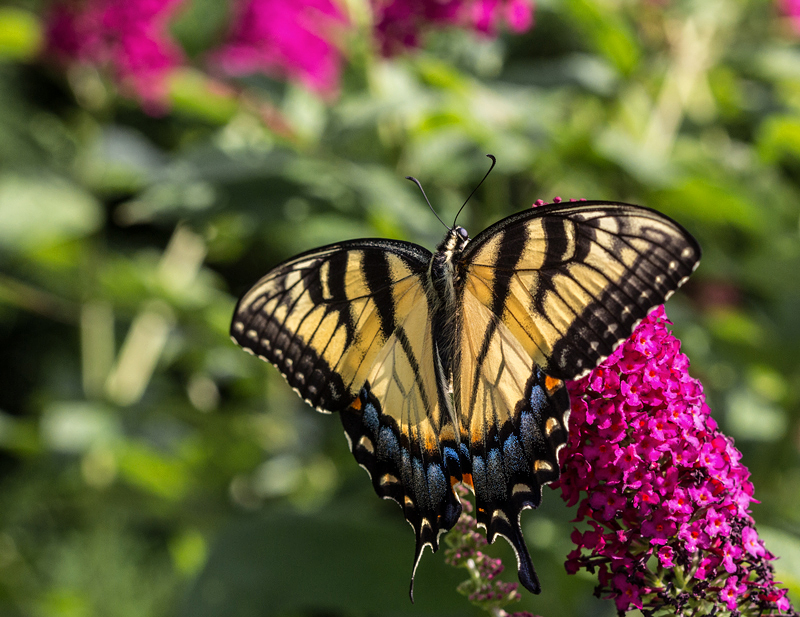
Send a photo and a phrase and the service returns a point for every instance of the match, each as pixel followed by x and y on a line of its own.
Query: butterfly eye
pixel 463 233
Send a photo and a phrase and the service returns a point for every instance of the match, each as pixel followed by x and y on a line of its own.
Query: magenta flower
pixel 301 40
pixel 130 38
pixel 399 24
pixel 662 490
pixel 791 8
pixel 298 40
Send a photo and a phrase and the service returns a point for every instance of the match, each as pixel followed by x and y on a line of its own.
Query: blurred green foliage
pixel 149 467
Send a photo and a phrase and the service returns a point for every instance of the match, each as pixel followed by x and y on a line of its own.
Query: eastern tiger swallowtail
pixel 449 367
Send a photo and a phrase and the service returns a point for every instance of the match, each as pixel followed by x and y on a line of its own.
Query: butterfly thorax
pixel 442 272
pixel 441 292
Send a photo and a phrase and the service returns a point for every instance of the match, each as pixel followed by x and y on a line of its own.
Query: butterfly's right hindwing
pixel 513 420
pixel 544 296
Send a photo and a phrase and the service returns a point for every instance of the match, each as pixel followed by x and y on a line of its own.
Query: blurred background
pixel 158 156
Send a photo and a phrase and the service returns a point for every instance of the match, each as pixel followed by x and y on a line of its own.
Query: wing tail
pixel 505 522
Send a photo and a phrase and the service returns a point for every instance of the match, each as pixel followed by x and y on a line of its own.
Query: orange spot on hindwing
pixel 552 384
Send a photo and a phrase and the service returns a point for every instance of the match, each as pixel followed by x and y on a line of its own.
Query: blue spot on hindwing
pixel 538 400
pixel 464 450
pixel 513 457
pixel 388 448
pixel 420 485
pixel 479 475
pixel 437 484
pixel 495 475
pixel 405 468
pixel 369 417
pixel 451 463
pixel 531 435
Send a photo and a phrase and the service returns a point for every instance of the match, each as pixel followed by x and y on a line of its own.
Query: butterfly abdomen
pixel 440 291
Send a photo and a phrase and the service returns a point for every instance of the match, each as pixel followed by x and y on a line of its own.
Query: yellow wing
pixel 401 429
pixel 323 317
pixel 513 419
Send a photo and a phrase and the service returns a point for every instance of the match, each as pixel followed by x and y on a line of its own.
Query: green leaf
pixel 36 212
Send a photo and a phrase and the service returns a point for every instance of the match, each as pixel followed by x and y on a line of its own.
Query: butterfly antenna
pixel 494 162
pixel 415 181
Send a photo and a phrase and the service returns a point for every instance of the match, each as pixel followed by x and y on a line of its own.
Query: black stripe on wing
pixel 650 279
pixel 625 259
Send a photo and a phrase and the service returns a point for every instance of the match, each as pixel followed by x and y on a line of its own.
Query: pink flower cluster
pixel 295 39
pixel 131 38
pixel 400 23
pixel 300 40
pixel 664 493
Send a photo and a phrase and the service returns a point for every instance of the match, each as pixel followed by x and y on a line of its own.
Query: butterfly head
pixel 455 241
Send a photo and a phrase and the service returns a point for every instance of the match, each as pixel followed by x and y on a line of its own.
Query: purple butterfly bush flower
pixel 131 38
pixel 399 24
pixel 663 492
pixel 298 39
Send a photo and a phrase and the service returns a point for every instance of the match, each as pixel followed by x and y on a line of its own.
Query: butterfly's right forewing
pixel 573 280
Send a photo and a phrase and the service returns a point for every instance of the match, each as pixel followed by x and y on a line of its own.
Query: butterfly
pixel 449 366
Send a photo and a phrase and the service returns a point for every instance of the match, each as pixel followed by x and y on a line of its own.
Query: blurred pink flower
pixel 654 478
pixel 296 39
pixel 399 24
pixel 301 39
pixel 791 8
pixel 131 38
